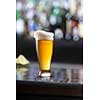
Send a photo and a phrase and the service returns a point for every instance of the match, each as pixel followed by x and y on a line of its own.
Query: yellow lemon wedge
pixel 22 60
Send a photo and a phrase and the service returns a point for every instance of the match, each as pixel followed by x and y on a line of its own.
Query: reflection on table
pixel 61 73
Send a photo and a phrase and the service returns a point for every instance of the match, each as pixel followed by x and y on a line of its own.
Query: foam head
pixel 40 35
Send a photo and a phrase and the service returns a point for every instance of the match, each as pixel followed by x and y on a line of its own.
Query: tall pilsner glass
pixel 44 49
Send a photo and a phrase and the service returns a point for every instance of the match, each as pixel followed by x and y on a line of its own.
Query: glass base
pixel 44 74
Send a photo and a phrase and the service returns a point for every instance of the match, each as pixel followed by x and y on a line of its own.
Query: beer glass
pixel 44 49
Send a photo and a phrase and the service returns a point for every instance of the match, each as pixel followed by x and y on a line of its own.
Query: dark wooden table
pixel 66 80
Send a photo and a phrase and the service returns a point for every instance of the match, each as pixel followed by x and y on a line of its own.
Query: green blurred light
pixel 18 15
pixel 56 11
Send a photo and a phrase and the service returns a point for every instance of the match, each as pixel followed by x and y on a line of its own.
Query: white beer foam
pixel 40 34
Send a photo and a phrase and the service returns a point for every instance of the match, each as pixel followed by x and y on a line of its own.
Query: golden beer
pixel 44 52
pixel 44 48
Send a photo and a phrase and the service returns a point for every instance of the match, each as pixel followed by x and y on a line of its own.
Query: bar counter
pixel 66 82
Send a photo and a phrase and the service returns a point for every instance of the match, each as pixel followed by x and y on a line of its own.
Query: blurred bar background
pixel 62 17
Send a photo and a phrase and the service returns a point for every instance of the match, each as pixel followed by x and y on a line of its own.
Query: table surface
pixel 67 79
